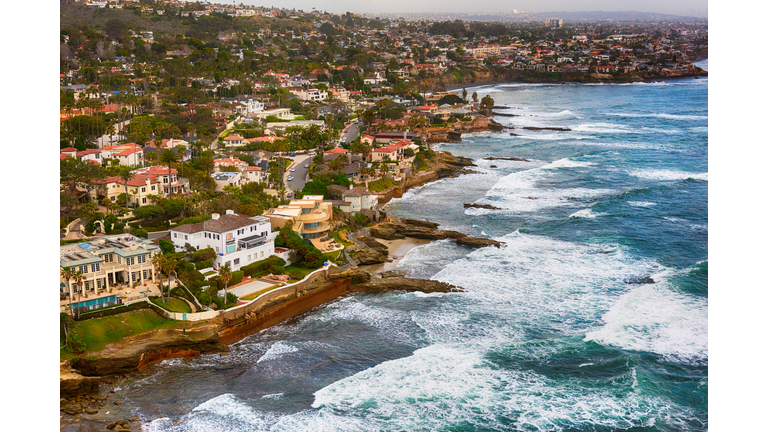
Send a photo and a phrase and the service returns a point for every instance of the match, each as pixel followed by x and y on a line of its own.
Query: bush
pixel 166 246
pixel 255 269
pixel 199 265
pixel 139 233
pixel 148 212
pixel 75 344
pixel 296 275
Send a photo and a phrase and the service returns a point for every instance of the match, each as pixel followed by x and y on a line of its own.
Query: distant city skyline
pixel 696 8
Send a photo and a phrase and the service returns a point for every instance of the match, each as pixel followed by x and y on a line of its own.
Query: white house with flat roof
pixel 238 240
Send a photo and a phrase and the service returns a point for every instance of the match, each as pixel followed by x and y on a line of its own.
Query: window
pixel 186 237
pixel 98 283
pixel 175 235
pixel 249 258
pixel 144 189
pixel 95 267
pixel 153 188
pixel 237 261
pixel 143 200
pixel 112 198
pixel 217 249
pixel 262 254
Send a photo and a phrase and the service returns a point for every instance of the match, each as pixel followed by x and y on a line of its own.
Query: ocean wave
pixel 641 203
pixel 586 213
pixel 277 350
pixel 225 413
pixel 654 318
pixel 444 386
pixel 667 175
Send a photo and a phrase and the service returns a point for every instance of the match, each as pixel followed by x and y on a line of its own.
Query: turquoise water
pixel 592 317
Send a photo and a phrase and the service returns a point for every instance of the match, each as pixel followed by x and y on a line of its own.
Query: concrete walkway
pixel 249 288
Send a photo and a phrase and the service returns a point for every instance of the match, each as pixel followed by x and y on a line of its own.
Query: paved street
pixel 300 175
pixel 352 132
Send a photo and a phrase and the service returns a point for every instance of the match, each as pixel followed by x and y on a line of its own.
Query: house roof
pixel 356 192
pixel 87 152
pixel 225 222
pixel 253 168
pixel 336 150
pixel 68 149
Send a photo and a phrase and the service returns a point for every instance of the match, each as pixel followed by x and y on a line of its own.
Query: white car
pixel 293 169
pixel 306 165
pixel 290 178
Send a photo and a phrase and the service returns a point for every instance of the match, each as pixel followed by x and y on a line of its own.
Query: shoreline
pixel 476 84
pixel 398 249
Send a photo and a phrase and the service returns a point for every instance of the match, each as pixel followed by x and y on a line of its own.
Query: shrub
pixel 199 265
pixel 139 233
pixel 166 246
pixel 76 345
pixel 267 264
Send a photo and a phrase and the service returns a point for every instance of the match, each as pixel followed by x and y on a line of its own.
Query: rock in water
pixel 474 242
pixel 399 283
pixel 483 206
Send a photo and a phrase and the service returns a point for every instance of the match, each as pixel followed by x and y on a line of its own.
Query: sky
pixel 682 7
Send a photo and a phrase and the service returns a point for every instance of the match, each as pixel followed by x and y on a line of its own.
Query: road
pixel 352 132
pixel 300 175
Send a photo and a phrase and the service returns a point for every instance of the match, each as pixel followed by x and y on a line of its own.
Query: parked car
pixel 306 165
pixel 292 169
pixel 289 195
pixel 289 178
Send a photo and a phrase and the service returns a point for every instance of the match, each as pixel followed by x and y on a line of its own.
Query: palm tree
pixel 78 277
pixel 158 261
pixel 169 157
pixel 225 274
pixel 68 274
pixel 126 174
pixel 181 151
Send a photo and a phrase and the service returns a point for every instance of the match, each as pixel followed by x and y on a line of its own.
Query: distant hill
pixel 583 16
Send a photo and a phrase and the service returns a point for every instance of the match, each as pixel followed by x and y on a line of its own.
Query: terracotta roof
pixel 128 152
pixel 337 150
pixel 223 224
pixel 358 191
pixel 87 152
pixel 68 149
pixel 253 168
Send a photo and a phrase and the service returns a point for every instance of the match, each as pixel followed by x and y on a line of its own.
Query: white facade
pixel 246 239
pixel 253 106
pixel 313 95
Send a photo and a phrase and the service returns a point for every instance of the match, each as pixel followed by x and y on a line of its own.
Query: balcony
pixel 252 242
pixel 320 228
pixel 314 216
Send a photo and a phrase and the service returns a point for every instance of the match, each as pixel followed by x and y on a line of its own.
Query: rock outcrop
pixel 355 275
pixel 72 383
pixel 534 128
pixel 414 228
pixel 373 253
pixel 482 206
pixel 141 350
pixel 399 283
pixel 507 159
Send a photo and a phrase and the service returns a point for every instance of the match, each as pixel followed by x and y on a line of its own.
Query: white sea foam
pixel 641 203
pixel 225 413
pixel 657 319
pixel 442 386
pixel 274 396
pixel 519 191
pixel 277 350
pixel 667 175
pixel 586 213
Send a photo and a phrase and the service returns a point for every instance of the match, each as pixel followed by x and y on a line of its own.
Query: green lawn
pixel 304 272
pixel 381 184
pixel 337 237
pixel 98 332
pixel 208 273
pixel 173 305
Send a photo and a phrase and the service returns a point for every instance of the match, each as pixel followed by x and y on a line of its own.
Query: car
pixel 293 169
pixel 343 139
pixel 306 165
pixel 290 178
pixel 289 195
pixel 346 130
pixel 293 154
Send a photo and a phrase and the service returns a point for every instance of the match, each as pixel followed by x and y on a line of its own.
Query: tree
pixel 167 247
pixel 315 188
pixel 225 275
pixel 474 97
pixel 126 174
pixel 78 277
pixel 68 274
pixel 464 95
pixel 486 104
pixel 148 212
pixel 169 157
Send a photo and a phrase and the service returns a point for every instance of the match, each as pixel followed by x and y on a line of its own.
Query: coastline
pixel 397 251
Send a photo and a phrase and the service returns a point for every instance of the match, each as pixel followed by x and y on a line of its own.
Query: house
pixel 148 181
pixel 357 199
pixel 310 217
pixel 230 162
pixel 237 239
pixel 311 95
pixel 392 152
pixel 367 139
pixel 104 263
pixel 224 179
pixel 130 154
pixel 233 141
pixel 337 150
pixel 281 113
pixel 606 69
pixel 254 174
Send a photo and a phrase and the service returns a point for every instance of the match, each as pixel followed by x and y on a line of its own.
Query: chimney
pixel 350 187
pixel 215 216
pixel 230 212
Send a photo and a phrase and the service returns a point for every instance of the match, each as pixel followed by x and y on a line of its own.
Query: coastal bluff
pixel 401 228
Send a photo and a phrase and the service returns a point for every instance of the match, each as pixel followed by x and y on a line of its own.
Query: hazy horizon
pixel 695 8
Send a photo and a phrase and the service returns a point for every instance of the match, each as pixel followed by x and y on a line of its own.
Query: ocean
pixel 591 317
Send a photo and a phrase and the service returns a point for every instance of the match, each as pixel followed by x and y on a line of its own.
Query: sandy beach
pixel 397 250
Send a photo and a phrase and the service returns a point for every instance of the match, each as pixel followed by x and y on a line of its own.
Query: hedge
pixel 254 269
pixel 237 277
pixel 110 310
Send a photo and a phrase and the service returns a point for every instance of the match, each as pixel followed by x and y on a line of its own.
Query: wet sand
pixel 397 250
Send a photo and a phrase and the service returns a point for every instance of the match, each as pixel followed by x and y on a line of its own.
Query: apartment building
pixel 237 239
pixel 122 258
